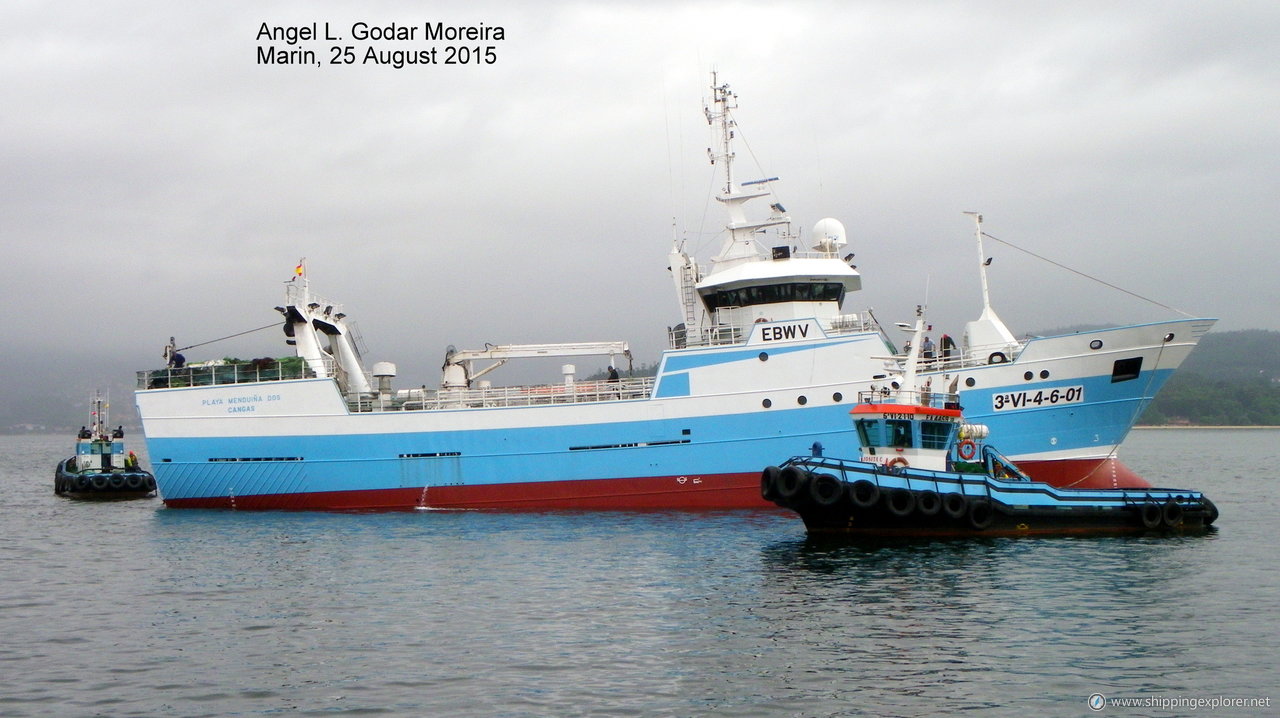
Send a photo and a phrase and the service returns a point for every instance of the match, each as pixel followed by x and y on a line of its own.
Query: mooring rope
pixel 230 336
pixel 1087 276
pixel 1111 455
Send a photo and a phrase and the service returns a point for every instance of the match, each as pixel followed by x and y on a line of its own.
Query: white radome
pixel 829 235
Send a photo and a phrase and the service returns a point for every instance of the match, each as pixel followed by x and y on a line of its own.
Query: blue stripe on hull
pixel 715 445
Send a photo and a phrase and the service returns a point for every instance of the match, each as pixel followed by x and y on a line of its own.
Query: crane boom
pixel 458 371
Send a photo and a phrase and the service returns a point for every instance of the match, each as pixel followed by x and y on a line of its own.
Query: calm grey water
pixel 132 609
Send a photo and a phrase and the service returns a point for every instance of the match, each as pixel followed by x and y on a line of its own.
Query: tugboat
pixel 101 469
pixel 925 472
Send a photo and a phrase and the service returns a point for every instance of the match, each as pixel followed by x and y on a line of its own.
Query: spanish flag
pixel 298 271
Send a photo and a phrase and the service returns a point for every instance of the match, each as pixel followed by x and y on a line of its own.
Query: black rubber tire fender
pixel 955 505
pixel 1150 515
pixel 1210 511
pixel 792 482
pixel 981 514
pixel 928 503
pixel 864 494
pixel 826 490
pixel 900 502
pixel 769 483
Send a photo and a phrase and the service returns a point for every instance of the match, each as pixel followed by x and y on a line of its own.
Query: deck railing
pixel 410 399
pixel 932 399
pixel 232 373
pixel 506 396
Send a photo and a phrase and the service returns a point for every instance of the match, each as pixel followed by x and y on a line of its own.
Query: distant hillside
pixel 1230 379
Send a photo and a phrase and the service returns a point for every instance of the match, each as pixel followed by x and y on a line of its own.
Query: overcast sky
pixel 158 181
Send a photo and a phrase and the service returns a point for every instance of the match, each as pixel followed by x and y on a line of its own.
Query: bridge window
pixel 935 434
pixel 870 433
pixel 774 294
pixel 900 433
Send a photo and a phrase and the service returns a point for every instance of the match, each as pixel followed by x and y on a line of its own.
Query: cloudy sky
pixel 158 180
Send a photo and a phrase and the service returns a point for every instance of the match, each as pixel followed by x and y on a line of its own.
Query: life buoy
pixel 894 463
pixel 997 358
pixel 967 449
pixel 769 483
pixel 826 490
pixel 864 494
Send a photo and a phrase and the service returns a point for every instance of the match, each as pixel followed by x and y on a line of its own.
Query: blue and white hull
pixel 696 440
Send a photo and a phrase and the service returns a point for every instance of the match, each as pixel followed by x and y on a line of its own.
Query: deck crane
pixel 459 369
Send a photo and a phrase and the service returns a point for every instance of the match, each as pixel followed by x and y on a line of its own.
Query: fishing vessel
pixel 925 471
pixel 101 468
pixel 764 361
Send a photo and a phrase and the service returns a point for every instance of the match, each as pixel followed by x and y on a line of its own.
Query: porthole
pixel 969 382
pixel 766 403
pixel 837 397
pixel 802 400
pixel 1028 376
pixel 1044 373
pixel 764 356
pixel 1096 344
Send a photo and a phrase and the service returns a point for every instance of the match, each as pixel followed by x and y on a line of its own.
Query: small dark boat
pixel 101 468
pixel 925 472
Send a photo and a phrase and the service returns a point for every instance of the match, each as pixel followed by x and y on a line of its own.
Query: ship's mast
pixel 740 244
pixel 97 415
pixel 911 368
pixel 987 333
pixel 722 124
pixel 982 262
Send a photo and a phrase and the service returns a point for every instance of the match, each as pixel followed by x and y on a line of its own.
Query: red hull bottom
pixel 1108 473
pixel 719 491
